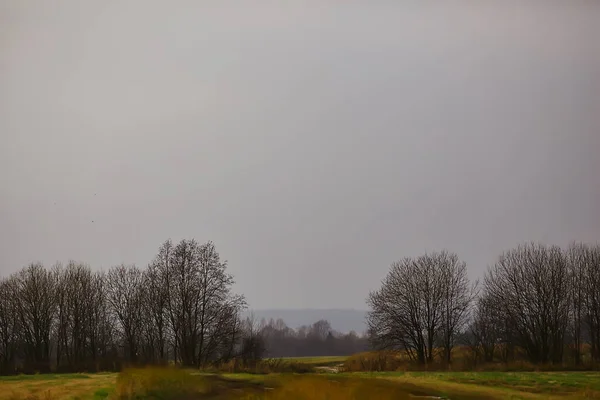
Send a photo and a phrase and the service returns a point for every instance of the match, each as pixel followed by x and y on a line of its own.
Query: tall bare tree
pixel 591 296
pixel 577 256
pixel 457 298
pixel 420 299
pixel 125 295
pixel 100 328
pixel 201 308
pixel 36 306
pixel 530 286
pixel 78 298
pixel 9 325
pixel 155 324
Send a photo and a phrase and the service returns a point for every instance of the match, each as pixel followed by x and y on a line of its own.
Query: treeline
pixel 318 339
pixel 69 318
pixel 538 303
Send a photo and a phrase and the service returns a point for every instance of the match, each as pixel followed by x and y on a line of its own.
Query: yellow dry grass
pixel 461 390
pixel 320 387
pixel 57 387
pixel 177 384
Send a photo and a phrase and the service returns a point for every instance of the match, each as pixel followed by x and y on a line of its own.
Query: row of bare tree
pixel 536 300
pixel 543 301
pixel 317 339
pixel 181 308
pixel 422 304
pixel 539 300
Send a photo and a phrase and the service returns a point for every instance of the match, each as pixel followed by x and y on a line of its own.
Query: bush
pixel 375 361
pixel 462 360
pixel 266 366
pixel 160 383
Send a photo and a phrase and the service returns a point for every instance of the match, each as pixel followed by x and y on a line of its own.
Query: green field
pixel 514 385
pixel 188 384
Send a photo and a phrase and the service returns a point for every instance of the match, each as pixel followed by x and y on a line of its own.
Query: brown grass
pixel 179 384
pixel 56 387
pixel 315 387
pixel 267 366
pixel 462 360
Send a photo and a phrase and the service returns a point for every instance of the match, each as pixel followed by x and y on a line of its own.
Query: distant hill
pixel 342 320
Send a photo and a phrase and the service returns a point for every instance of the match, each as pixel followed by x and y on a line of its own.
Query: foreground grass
pixel 161 383
pixel 500 385
pixel 57 386
pixel 557 383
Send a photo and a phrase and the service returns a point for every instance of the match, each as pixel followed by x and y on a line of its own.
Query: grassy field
pixel 181 384
pixel 501 385
pixel 57 386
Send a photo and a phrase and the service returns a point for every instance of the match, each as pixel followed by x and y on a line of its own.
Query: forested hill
pixel 341 320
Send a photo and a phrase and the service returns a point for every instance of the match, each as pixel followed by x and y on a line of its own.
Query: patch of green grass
pixel 43 377
pixel 102 393
pixel 533 382
pixel 517 385
pixel 252 378
pixel 55 386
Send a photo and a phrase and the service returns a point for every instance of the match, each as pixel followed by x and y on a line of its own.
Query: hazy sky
pixel 315 142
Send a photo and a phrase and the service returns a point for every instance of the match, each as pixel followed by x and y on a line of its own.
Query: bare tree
pixel 319 330
pixel 100 328
pixel 485 329
pixel 577 256
pixel 9 326
pixel 458 295
pixel 591 296
pixel 253 346
pixel 420 299
pixel 36 305
pixel 125 295
pixel 78 297
pixel 223 343
pixel 155 314
pixel 201 309
pixel 530 287
pixel 219 309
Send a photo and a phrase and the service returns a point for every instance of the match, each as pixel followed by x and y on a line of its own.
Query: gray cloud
pixel 315 144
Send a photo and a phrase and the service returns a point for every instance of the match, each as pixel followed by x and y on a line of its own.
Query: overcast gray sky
pixel 314 142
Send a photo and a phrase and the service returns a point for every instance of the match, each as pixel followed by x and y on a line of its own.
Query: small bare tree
pixel 485 329
pixel 253 346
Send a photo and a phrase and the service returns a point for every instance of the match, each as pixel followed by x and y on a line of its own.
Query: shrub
pixel 160 383
pixel 266 366
pixel 374 362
